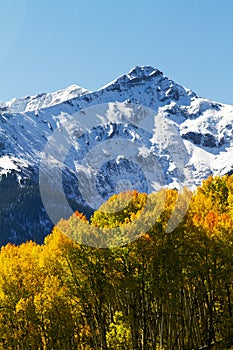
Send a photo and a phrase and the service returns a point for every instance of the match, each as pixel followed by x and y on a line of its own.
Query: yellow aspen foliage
pixel 168 289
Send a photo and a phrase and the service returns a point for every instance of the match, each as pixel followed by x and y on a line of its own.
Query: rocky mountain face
pixel 72 149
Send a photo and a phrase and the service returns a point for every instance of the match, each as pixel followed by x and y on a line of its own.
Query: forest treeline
pixel 151 289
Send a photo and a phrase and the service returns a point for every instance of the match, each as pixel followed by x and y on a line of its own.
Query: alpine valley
pixel 140 131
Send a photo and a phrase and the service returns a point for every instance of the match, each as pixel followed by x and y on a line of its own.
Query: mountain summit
pixel 140 131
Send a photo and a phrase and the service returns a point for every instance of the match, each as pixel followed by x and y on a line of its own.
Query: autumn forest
pixel 150 288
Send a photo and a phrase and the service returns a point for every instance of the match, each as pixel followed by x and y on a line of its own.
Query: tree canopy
pixel 163 290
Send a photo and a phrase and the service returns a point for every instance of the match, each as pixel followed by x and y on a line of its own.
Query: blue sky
pixel 48 45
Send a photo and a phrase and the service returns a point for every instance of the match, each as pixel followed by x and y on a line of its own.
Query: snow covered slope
pixel 140 131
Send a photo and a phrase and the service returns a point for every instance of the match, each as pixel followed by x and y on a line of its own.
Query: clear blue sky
pixel 47 45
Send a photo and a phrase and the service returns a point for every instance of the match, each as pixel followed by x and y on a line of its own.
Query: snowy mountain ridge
pixel 140 131
pixel 42 100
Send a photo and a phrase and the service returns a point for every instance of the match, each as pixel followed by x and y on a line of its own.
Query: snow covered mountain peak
pixel 149 86
pixel 192 139
pixel 137 75
pixel 143 72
